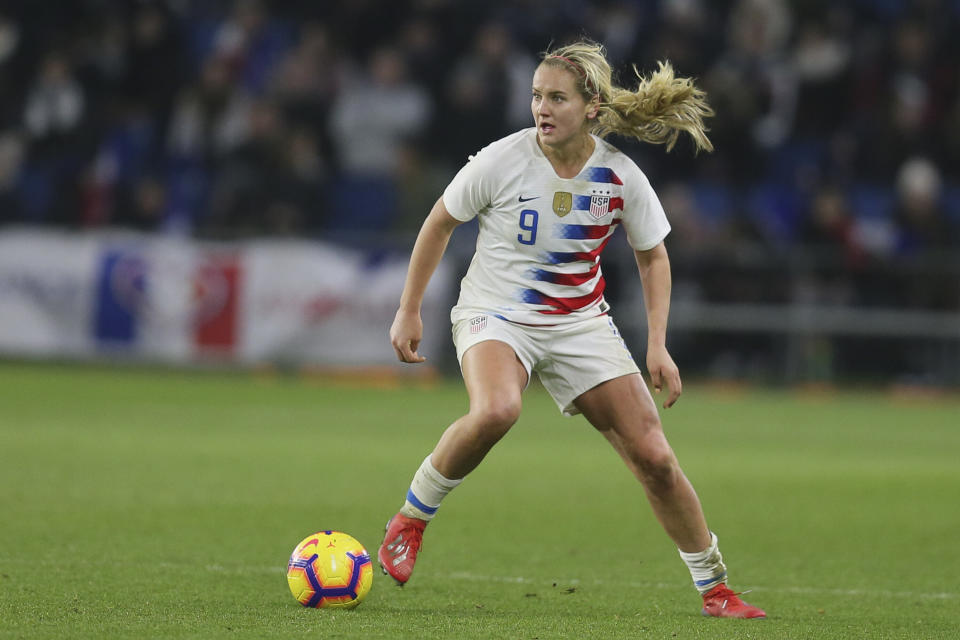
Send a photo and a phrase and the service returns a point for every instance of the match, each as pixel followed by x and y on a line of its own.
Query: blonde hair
pixel 657 111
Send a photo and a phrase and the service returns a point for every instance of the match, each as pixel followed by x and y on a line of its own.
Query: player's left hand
pixel 663 371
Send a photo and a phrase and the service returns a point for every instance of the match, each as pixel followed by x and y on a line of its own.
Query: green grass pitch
pixel 146 503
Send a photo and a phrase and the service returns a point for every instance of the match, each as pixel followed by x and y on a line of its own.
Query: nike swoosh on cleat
pixel 522 199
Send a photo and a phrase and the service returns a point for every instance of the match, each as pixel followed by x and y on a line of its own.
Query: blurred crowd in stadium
pixel 838 123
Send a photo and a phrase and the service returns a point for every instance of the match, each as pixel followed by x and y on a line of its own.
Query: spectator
pixel 307 82
pixel 53 118
pixel 11 158
pixel 374 114
pixel 423 49
pixel 252 43
pixel 821 58
pixel 420 182
pixel 488 93
pixel 925 233
pixel 143 205
pixel 210 117
pixel 829 224
pixel 11 69
pixel 921 221
pixel 155 65
pixel 55 102
pixel 248 174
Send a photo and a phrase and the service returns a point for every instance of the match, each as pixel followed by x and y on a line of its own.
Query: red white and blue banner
pixel 182 301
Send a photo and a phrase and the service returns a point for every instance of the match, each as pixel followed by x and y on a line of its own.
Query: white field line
pixel 881 593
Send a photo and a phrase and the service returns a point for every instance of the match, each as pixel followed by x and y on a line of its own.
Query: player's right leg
pixel 495 379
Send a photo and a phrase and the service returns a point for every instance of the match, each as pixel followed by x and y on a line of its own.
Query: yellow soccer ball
pixel 330 569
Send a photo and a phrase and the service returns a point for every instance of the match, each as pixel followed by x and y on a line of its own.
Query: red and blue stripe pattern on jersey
pixel 582 231
pixel 569 279
pixel 606 175
pixel 565 305
pixel 563 257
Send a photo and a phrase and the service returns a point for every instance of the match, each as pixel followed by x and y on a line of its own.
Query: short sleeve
pixel 470 191
pixel 643 216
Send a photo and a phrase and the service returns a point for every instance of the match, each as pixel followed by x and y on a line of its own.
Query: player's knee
pixel 497 415
pixel 658 468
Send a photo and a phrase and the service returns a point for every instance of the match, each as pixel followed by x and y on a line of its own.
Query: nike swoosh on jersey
pixel 522 199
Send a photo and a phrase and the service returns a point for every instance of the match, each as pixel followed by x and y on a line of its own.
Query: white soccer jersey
pixel 538 252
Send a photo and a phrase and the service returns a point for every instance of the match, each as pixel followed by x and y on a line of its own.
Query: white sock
pixel 426 492
pixel 706 567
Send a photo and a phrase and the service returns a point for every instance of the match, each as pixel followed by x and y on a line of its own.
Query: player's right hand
pixel 405 335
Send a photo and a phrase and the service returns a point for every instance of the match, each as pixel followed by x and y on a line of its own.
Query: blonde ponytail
pixel 657 111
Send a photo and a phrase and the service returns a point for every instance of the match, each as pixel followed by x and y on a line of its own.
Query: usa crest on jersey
pixel 599 205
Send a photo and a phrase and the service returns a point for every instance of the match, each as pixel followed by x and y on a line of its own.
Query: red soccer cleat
pixel 721 602
pixel 398 553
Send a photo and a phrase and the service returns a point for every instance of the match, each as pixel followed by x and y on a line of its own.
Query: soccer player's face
pixel 559 110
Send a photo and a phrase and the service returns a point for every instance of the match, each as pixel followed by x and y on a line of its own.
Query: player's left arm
pixel 654 265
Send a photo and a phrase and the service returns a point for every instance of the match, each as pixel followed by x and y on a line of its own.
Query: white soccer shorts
pixel 569 359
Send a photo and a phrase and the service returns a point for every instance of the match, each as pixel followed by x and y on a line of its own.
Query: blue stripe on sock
pixel 703 583
pixel 415 501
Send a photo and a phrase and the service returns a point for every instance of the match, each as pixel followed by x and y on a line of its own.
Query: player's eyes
pixel 552 98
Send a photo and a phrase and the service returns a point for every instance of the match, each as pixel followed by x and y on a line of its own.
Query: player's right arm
pixel 407 329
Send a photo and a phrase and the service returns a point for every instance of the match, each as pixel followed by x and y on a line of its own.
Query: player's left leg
pixel 625 413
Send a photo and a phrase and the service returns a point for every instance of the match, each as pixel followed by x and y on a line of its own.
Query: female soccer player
pixel 548 199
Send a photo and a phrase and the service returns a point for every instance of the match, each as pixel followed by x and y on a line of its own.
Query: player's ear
pixel 593 108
